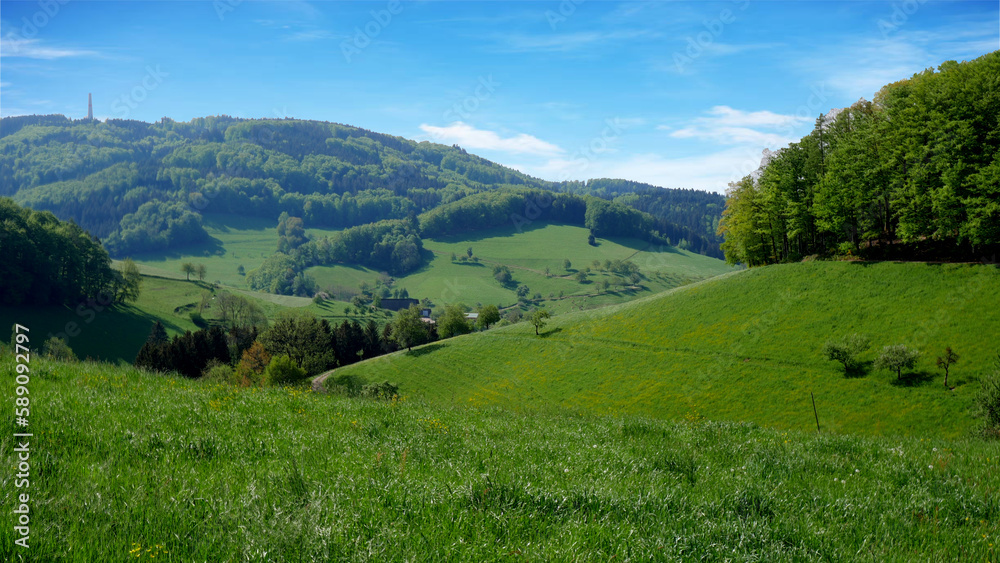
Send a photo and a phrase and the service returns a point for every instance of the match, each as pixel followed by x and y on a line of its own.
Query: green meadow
pixel 528 253
pixel 234 241
pixel 117 332
pixel 126 465
pixel 740 347
pixel 240 241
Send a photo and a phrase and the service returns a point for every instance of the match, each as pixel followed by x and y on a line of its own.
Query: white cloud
pixel 727 126
pixel 862 67
pixel 468 137
pixel 33 49
pixel 565 42
pixel 710 172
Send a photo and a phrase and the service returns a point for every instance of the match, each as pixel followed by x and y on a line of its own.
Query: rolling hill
pixel 742 346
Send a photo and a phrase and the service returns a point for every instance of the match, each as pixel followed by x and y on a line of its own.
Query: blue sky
pixel 677 94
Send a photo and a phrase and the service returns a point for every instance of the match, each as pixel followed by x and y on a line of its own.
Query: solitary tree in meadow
pixel 897 358
pixel 187 269
pixel 567 264
pixel 201 271
pixel 945 362
pixel 846 350
pixel 538 319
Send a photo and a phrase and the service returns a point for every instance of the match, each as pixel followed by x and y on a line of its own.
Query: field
pixel 741 347
pixel 444 281
pixel 235 241
pixel 129 466
pixel 240 241
pixel 117 332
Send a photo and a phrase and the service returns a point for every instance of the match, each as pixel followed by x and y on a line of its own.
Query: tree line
pixel 51 262
pixel 914 174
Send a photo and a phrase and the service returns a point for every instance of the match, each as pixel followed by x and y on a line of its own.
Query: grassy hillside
pixel 235 241
pixel 527 254
pixel 116 333
pixel 126 465
pixel 745 346
pixel 239 241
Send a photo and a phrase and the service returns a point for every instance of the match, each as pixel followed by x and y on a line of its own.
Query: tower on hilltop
pixel 90 107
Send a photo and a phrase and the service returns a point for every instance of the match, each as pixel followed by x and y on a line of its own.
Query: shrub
pixel 57 349
pixel 283 371
pixel 384 390
pixel 846 350
pixel 987 405
pixel 219 373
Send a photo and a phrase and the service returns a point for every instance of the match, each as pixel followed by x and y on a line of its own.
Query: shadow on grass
pixel 502 231
pixel 212 247
pixel 915 379
pixel 424 350
pixel 549 333
pixel 858 371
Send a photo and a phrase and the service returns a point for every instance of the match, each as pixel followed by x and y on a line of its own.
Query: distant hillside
pixel 744 346
pixel 143 186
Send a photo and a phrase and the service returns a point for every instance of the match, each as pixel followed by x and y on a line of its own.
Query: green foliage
pixel 918 165
pixel 946 361
pixel 283 371
pixel 407 328
pixel 220 373
pixel 303 338
pixel 385 391
pixel 280 274
pixel 453 322
pixel 57 349
pixel 129 282
pixel 156 226
pixel 47 261
pixel 488 315
pixel 239 311
pixel 846 350
pixel 987 404
pixel 502 274
pixel 538 319
pixel 896 357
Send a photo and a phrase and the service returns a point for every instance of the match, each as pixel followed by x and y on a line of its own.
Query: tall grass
pixel 131 466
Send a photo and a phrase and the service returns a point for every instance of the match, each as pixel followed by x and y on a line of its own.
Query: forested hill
pixel 143 186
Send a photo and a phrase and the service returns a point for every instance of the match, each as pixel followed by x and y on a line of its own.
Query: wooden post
pixel 814 410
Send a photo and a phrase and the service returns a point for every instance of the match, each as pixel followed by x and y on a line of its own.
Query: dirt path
pixel 317 382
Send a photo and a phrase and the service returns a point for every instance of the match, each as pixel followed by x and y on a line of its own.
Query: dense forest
pixel 51 262
pixel 914 174
pixel 143 186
